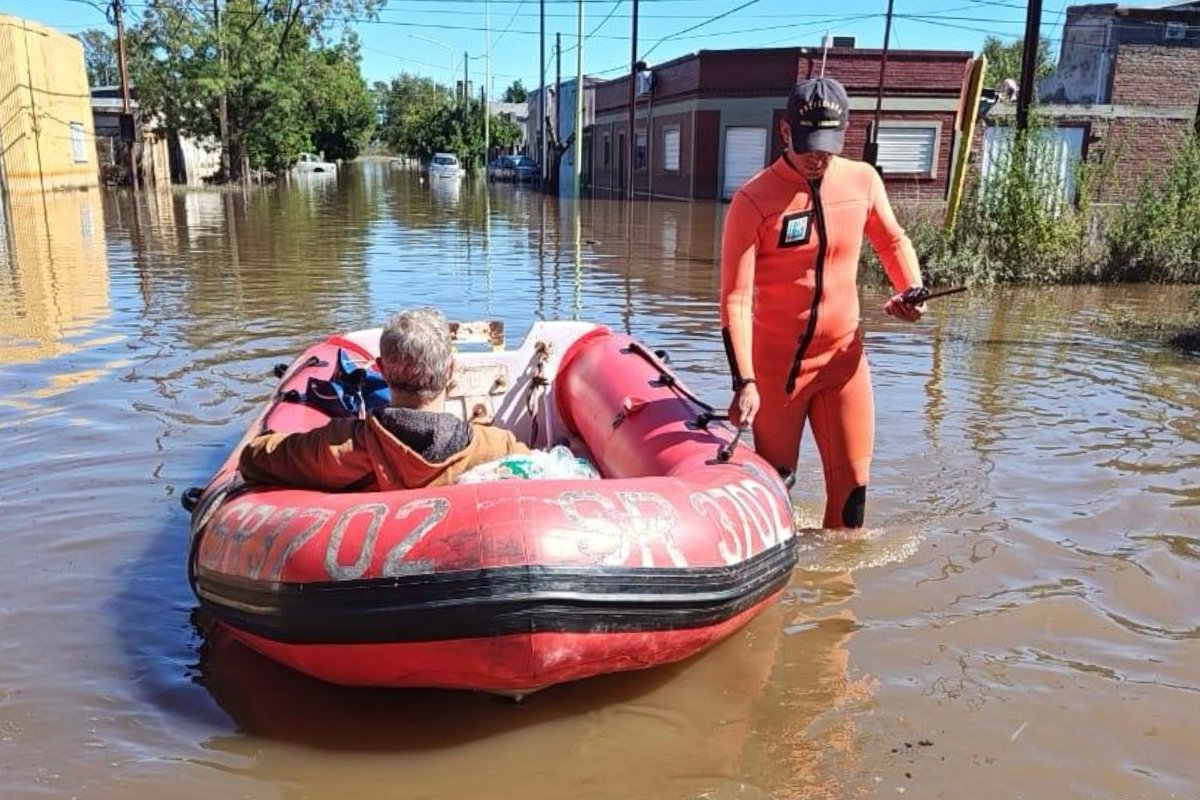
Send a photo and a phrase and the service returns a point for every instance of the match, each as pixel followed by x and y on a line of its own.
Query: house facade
pixel 559 113
pixel 163 157
pixel 1126 91
pixel 47 140
pixel 707 122
pixel 516 113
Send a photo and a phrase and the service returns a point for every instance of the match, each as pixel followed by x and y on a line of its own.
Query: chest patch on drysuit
pixel 795 229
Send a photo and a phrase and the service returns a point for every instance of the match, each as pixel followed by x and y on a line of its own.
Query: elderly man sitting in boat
pixel 411 444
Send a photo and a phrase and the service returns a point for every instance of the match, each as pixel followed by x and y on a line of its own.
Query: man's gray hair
pixel 415 352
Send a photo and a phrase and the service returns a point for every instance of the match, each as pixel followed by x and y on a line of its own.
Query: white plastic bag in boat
pixel 558 463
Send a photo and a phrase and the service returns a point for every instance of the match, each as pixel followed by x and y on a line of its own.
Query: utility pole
pixel 557 85
pixel 542 90
pixel 1029 59
pixel 466 94
pixel 487 74
pixel 633 71
pixel 579 104
pixel 222 102
pixel 126 105
pixel 872 153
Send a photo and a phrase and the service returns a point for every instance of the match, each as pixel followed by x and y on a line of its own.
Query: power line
pixel 604 21
pixel 506 29
pixel 708 21
pixel 443 68
pixel 102 9
pixel 801 28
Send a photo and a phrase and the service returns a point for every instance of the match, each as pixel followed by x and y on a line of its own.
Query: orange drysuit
pixel 789 307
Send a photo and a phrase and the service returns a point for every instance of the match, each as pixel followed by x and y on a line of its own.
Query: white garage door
pixel 745 154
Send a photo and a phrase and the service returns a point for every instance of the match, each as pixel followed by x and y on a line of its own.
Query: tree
pixel 1004 60
pixel 517 93
pixel 100 57
pixel 340 104
pixel 419 118
pixel 411 110
pixel 267 60
pixel 505 134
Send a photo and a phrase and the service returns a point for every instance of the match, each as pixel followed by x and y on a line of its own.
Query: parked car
pixel 525 170
pixel 501 169
pixel 445 165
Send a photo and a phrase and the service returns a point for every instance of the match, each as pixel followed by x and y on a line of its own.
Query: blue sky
pixel 667 28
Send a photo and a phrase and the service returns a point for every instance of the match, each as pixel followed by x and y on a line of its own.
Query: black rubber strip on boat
pixel 497 602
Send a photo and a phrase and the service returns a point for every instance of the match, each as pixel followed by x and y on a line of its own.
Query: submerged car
pixel 309 164
pixel 445 165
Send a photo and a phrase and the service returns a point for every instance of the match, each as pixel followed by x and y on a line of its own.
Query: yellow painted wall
pixel 43 90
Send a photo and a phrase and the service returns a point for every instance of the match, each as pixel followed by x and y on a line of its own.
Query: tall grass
pixel 1157 237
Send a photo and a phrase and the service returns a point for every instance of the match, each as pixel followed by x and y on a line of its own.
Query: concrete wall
pixel 1095 37
pixel 201 160
pixel 44 101
pixel 566 175
pixel 1085 61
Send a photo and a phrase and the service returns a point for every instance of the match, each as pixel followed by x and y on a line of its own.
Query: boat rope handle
pixel 725 451
pixel 667 378
pixel 203 511
pixel 288 396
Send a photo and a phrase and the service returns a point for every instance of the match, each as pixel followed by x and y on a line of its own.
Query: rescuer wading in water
pixel 789 297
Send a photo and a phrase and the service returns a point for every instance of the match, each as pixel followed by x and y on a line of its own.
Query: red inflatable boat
pixel 506 586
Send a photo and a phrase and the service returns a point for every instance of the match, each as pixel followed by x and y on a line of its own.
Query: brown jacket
pixel 394 448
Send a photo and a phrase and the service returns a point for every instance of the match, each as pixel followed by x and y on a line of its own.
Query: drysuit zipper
pixel 818 286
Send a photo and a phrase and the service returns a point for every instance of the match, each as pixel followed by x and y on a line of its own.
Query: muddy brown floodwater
pixel 1022 620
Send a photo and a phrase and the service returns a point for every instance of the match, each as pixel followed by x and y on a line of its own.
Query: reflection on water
pixel 53 273
pixel 1022 618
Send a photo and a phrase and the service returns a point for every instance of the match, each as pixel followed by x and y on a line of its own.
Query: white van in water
pixel 445 165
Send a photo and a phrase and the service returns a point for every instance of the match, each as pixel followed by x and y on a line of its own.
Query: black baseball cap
pixel 818 111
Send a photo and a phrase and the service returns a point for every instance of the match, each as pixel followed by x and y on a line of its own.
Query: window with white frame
pixel 909 148
pixel 671 149
pixel 639 149
pixel 78 144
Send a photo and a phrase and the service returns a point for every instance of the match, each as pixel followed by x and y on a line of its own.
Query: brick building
pixel 1126 90
pixel 708 121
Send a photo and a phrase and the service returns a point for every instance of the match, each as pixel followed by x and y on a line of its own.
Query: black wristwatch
pixel 739 383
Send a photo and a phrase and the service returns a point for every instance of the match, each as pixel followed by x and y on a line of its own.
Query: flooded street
pixel 1022 620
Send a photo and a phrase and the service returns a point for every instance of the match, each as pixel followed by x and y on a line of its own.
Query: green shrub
pixel 1157 237
pixel 1019 222
pixel 1012 227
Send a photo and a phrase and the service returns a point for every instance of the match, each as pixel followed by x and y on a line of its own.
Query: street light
pixel 448 49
